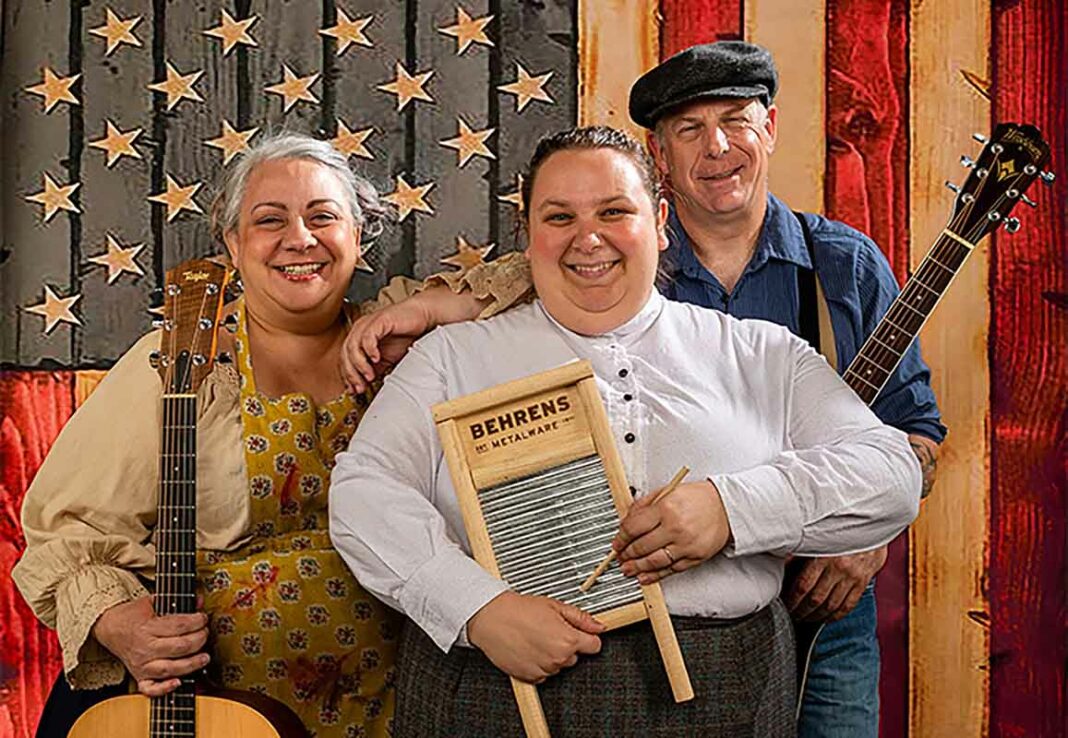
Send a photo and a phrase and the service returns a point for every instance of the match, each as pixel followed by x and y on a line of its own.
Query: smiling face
pixel 716 155
pixel 296 243
pixel 594 238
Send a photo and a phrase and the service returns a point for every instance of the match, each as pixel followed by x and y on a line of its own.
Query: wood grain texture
pixel 1029 381
pixel 948 544
pixel 543 38
pixel 190 123
pixel 460 88
pixel 360 105
pixel 33 408
pixel 39 253
pixel 115 314
pixel 866 187
pixel 688 22
pixel 795 34
pixel 618 41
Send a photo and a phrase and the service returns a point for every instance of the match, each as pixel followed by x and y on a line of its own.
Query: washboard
pixel 542 490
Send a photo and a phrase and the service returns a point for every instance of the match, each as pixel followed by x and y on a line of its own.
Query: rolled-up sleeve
pixel 383 519
pixel 846 482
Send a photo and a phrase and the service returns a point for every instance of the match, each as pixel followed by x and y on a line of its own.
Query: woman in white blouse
pixel 787 461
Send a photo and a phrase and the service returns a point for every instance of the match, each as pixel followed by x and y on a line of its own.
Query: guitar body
pixel 235 715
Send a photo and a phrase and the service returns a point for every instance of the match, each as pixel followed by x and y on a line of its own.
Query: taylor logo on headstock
pixel 191 276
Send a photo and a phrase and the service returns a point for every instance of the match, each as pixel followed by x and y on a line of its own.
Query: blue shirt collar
pixel 781 238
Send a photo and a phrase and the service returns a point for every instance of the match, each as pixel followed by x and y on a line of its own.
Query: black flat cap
pixel 722 69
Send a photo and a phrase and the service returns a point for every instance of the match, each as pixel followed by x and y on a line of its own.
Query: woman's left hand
pixel 686 528
pixel 379 340
pixel 376 342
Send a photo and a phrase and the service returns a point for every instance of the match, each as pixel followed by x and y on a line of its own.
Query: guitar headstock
pixel 192 304
pixel 1010 161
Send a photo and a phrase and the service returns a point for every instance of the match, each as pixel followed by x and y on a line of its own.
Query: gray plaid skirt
pixel 742 673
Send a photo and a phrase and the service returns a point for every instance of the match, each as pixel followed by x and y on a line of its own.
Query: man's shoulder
pixel 844 250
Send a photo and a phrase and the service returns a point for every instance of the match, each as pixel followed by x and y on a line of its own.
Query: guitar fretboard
pixel 174 714
pixel 884 348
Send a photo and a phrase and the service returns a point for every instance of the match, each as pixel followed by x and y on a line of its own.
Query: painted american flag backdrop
pixel 117 116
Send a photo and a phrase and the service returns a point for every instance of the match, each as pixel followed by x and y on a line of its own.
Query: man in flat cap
pixel 737 248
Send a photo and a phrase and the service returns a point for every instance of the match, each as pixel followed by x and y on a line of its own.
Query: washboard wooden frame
pixel 571 424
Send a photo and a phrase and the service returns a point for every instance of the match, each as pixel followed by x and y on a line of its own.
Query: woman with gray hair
pixel 281 613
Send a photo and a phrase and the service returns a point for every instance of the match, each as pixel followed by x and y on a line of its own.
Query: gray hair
pixel 367 208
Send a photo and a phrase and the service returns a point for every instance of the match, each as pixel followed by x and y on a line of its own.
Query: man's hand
pixel 926 452
pixel 532 638
pixel 156 650
pixel 828 588
pixel 686 528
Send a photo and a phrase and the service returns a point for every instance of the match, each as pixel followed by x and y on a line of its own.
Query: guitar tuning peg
pixel 1028 201
pixel 157 323
pixel 155 297
pixel 1012 225
pixel 230 323
pixel 224 358
pixel 979 137
pixel 967 161
pixel 1047 177
pixel 952 186
pixel 153 359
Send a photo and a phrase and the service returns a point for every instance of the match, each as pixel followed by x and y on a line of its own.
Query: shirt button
pixel 629 438
pixel 628 397
pixel 623 372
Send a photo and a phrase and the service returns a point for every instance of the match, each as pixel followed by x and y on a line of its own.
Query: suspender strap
pixel 814 317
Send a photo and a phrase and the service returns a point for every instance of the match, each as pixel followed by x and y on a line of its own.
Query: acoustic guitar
pixel 193 299
pixel 1009 163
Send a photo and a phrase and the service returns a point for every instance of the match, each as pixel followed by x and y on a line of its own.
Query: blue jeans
pixel 842 694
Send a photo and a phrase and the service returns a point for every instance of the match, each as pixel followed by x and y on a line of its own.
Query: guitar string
pixel 176 455
pixel 945 251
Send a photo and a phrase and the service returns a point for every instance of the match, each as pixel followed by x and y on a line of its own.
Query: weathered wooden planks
pixel 460 88
pixel 542 38
pixel 867 187
pixel 689 22
pixel 948 545
pixel 39 253
pixel 795 35
pixel 1029 378
pixel 33 408
pixel 618 42
pixel 360 105
pixel 117 185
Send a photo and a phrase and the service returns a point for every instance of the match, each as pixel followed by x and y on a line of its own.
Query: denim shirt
pixel 856 279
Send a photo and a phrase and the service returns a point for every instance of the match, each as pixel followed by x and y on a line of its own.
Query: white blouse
pixel 802 465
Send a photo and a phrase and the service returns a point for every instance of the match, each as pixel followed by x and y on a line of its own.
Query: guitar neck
pixel 882 351
pixel 174 714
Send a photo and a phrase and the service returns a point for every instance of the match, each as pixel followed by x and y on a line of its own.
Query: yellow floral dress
pixel 287 617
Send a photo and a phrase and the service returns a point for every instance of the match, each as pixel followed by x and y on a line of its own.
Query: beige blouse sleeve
pixel 89 513
pixel 505 281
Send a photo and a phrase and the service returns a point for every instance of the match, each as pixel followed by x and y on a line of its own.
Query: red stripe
pixel 33 408
pixel 1029 383
pixel 867 187
pixel 689 22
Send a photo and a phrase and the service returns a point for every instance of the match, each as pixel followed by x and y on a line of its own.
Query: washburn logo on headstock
pixel 191 276
pixel 1025 141
pixel 1006 169
pixel 519 424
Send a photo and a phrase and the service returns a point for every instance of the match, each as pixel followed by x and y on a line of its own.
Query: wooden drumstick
pixel 607 561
